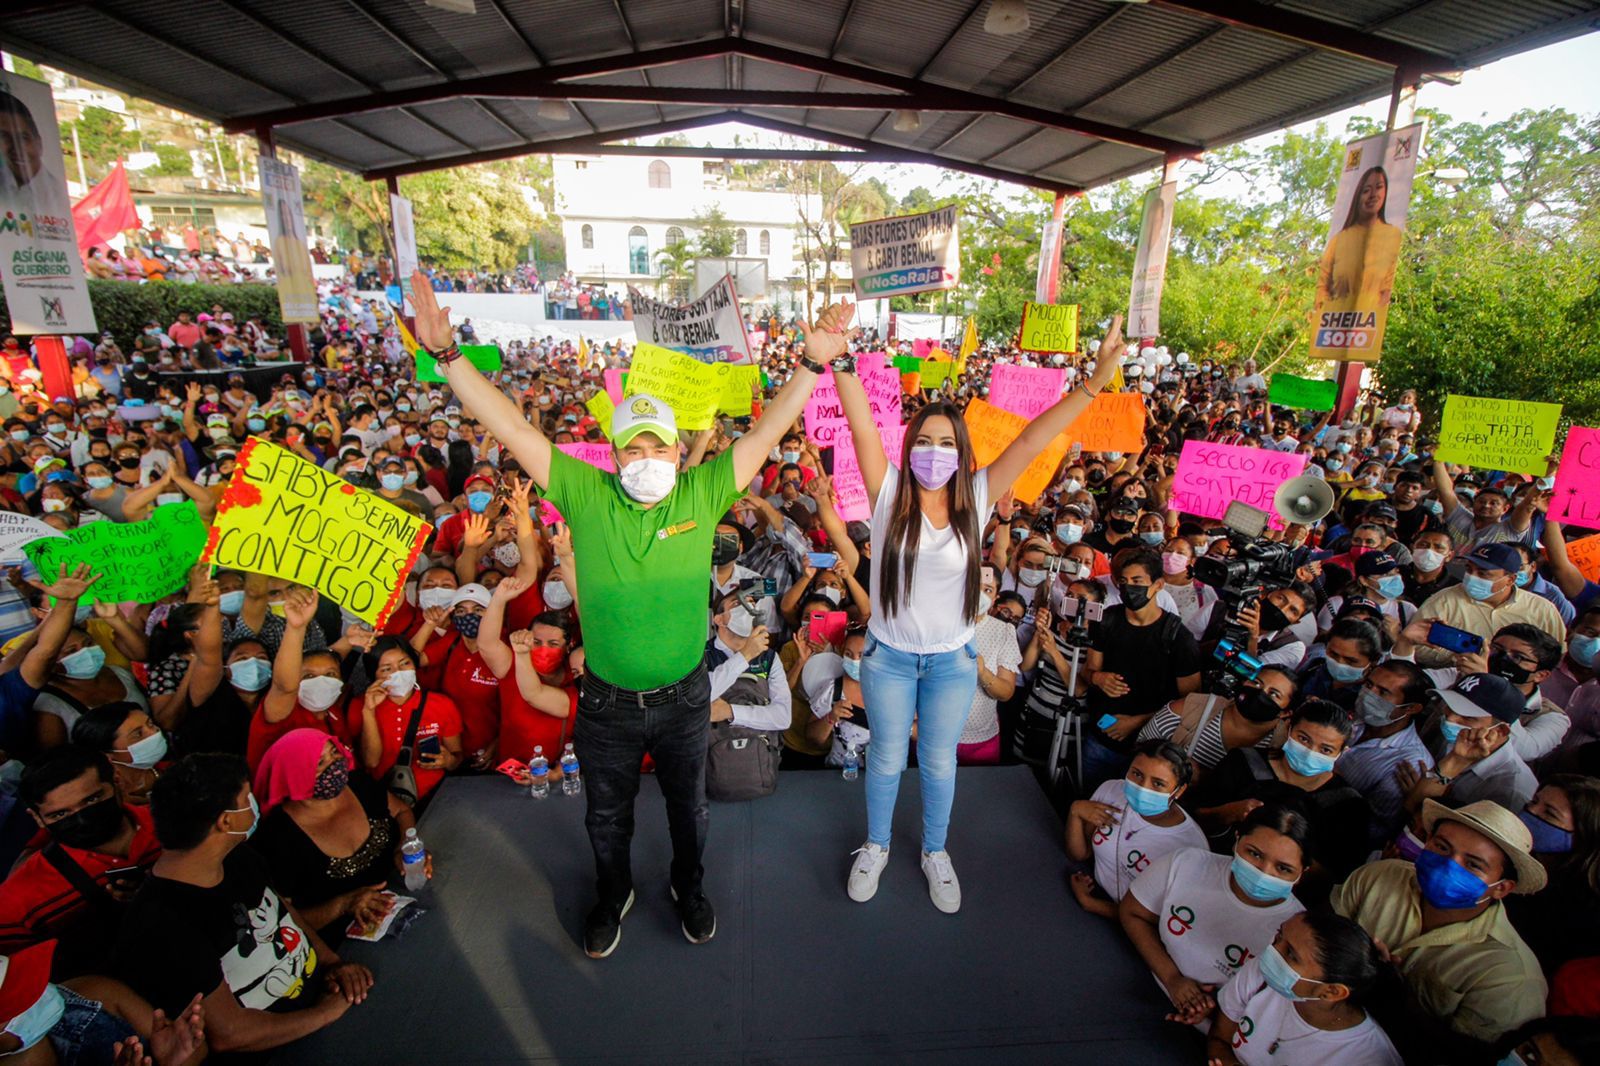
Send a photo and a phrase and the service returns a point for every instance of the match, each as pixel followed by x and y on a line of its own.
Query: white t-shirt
pixel 1207 930
pixel 1272 1032
pixel 997 650
pixel 1126 850
pixel 929 619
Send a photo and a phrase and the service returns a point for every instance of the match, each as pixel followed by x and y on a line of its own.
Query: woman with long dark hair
pixel 1357 268
pixel 920 661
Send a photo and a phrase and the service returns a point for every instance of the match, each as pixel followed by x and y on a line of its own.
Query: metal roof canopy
pixel 1094 91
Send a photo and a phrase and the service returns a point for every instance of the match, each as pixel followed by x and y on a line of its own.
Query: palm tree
pixel 676 262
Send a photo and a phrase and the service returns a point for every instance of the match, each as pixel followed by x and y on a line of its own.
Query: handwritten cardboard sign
pixel 602 408
pixel 1585 555
pixel 691 388
pixel 992 430
pixel 283 516
pixel 613 379
pixel 738 383
pixel 19 529
pixel 1211 476
pixel 1577 490
pixel 849 488
pixel 486 357
pixel 139 562
pixel 1114 422
pixel 1025 390
pixel 1049 328
pixel 825 419
pixel 1303 394
pixel 600 456
pixel 1494 434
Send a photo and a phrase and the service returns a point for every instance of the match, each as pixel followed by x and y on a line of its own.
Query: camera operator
pixel 1271 625
pixel 1141 658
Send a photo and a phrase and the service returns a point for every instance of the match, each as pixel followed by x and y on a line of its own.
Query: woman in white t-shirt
pixel 1127 825
pixel 1300 1001
pixel 920 663
pixel 999 658
pixel 1196 917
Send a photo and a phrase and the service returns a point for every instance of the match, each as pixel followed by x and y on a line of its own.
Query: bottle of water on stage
pixel 414 858
pixel 539 770
pixel 852 763
pixel 571 783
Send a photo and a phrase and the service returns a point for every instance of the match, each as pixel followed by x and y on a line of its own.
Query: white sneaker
pixel 943 888
pixel 866 871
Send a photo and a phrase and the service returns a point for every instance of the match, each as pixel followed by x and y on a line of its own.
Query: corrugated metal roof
pixel 391 83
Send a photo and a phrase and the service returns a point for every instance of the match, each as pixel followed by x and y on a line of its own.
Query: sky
pixel 1560 75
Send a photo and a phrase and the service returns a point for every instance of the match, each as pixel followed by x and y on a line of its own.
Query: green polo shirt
pixel 644 575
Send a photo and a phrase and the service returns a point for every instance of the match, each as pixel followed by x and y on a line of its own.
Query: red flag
pixel 106 211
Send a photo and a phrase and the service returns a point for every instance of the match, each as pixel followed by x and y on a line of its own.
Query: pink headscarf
pixel 288 770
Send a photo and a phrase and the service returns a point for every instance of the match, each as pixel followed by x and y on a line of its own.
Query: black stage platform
pixel 797 973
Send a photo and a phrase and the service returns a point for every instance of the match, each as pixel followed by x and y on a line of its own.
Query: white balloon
pixel 1147 352
pixel 1163 359
pixel 1094 346
pixel 1147 386
pixel 1183 357
pixel 1132 370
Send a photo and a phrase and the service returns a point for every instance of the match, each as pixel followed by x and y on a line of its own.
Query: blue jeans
pixel 85 1032
pixel 936 692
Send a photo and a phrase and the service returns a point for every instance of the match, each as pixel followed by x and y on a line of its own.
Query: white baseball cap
pixel 471 593
pixel 639 414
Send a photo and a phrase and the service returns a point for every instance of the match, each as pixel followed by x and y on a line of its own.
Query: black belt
pixel 677 692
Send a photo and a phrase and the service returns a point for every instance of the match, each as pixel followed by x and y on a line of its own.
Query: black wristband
pixel 812 365
pixel 447 355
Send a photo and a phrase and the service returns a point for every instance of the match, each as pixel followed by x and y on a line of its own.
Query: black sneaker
pixel 602 930
pixel 699 919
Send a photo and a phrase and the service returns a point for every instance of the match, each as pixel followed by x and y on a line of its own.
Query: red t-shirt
pixel 263 733
pixel 523 726
pixel 403 620
pixel 449 533
pixel 440 718
pixel 471 686
pixel 37 903
pixel 521 611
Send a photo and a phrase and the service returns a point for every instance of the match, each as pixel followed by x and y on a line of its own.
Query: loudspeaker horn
pixel 1303 501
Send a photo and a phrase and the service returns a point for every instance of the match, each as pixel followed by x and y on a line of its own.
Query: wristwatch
pixel 812 365
pixel 845 364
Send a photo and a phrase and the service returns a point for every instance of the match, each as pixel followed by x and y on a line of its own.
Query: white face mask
pixel 556 595
pixel 985 601
pixel 649 480
pixel 400 683
pixel 508 555
pixel 320 693
pixel 740 624
pixel 435 597
pixel 833 595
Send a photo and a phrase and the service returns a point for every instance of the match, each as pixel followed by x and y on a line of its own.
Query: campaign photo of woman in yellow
pixel 1358 265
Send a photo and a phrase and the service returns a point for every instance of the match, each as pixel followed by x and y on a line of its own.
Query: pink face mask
pixel 1174 563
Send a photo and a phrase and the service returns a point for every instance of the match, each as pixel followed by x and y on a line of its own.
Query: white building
pixel 618 212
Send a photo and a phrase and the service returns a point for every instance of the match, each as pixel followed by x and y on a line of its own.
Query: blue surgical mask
pixel 1547 839
pixel 1523 577
pixel 1344 673
pixel 231 603
pixel 1333 466
pixel 478 502
pixel 1584 650
pixel 1449 731
pixel 1280 976
pixel 1257 885
pixel 1448 885
pixel 1479 588
pixel 1153 536
pixel 1069 533
pixel 1305 762
pixel 255 811
pixel 251 675
pixel 98 482
pixel 35 1023
pixel 852 669
pixel 255 425
pixel 1146 801
pixel 413 439
pixel 145 754
pixel 1391 586
pixel 396 482
pixel 84 663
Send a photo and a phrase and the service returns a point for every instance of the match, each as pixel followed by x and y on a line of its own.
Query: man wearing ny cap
pixel 1487 600
pixel 642 539
pixel 1442 920
pixel 1474 757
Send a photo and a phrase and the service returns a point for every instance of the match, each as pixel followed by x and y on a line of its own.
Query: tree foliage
pixel 714 236
pixel 103 138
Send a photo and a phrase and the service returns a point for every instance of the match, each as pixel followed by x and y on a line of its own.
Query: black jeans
pixel 611 737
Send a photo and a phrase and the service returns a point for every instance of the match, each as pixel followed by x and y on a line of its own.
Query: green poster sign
pixel 139 562
pixel 1303 394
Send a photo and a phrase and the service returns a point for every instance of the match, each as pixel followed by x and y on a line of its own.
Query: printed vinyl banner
pixel 286 225
pixel 39 256
pixel 282 516
pixel 1150 263
pixel 905 254
pixel 709 328
pixel 1356 275
pixel 405 240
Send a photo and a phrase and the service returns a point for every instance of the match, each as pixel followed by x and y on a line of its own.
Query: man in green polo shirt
pixel 642 540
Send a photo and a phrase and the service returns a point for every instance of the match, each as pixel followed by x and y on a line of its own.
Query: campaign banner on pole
pixel 139 562
pixel 39 258
pixel 709 328
pixel 288 518
pixel 286 227
pixel 1356 275
pixel 1049 261
pixel 1493 434
pixel 1211 476
pixel 906 254
pixel 1577 488
pixel 1150 262
pixel 405 240
pixel 1049 328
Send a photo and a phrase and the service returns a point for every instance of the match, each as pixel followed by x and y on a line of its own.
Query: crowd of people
pixel 1372 834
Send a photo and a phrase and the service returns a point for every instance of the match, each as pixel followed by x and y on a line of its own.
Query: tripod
pixel 1069 717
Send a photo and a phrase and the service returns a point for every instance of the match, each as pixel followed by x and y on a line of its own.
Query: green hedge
pixel 123 307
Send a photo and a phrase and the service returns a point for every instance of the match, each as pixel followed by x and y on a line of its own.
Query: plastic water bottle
pixel 539 770
pixel 852 763
pixel 571 783
pixel 414 858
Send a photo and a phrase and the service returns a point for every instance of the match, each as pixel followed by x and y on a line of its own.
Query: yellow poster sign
pixel 1049 328
pixel 691 388
pixel 285 517
pixel 738 385
pixel 602 408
